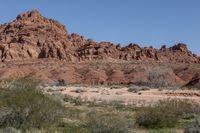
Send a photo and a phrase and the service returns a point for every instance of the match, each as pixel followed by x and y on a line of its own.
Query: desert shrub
pixel 193 85
pixel 99 122
pixel 136 89
pixel 61 82
pixel 193 126
pixel 114 86
pixel 23 105
pixel 165 113
pixel 74 100
pixel 157 84
pixel 79 90
pixel 155 118
pixel 9 130
pixel 159 77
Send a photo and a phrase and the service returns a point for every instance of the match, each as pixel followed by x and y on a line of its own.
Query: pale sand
pixel 122 95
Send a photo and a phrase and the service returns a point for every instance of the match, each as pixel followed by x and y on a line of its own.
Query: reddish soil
pixel 101 73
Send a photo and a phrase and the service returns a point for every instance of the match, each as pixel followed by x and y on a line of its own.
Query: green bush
pixel 165 113
pixel 99 122
pixel 193 127
pixel 136 89
pixel 9 130
pixel 23 105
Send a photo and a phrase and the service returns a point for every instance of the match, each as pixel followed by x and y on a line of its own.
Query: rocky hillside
pixel 32 36
pixel 35 46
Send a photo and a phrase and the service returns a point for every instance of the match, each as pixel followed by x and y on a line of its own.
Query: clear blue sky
pixel 146 22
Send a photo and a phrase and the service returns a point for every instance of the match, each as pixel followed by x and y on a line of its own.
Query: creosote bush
pixel 23 105
pixel 193 126
pixel 99 122
pixel 136 89
pixel 159 77
pixel 166 113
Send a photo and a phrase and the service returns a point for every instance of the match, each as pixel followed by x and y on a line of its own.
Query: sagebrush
pixel 23 105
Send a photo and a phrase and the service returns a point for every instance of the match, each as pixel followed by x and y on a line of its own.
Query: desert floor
pixel 123 95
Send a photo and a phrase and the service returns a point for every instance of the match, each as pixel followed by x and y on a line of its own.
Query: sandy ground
pixel 122 95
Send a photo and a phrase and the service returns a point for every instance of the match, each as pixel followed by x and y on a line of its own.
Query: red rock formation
pixel 32 36
pixel 40 47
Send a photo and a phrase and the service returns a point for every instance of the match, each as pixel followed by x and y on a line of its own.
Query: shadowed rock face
pixel 32 36
pixel 195 81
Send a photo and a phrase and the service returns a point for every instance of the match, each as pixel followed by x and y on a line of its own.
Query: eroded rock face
pixel 40 47
pixel 32 36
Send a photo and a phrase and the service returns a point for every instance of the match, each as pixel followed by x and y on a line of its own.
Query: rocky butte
pixel 41 47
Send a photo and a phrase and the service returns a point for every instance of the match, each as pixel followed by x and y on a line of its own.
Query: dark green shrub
pixel 61 82
pixel 151 117
pixel 25 106
pixel 165 113
pixel 9 130
pixel 99 122
pixel 193 127
pixel 136 89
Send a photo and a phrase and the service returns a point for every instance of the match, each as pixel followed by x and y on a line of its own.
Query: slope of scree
pixel 32 36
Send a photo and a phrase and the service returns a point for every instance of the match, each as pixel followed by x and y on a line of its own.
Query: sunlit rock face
pixel 32 36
